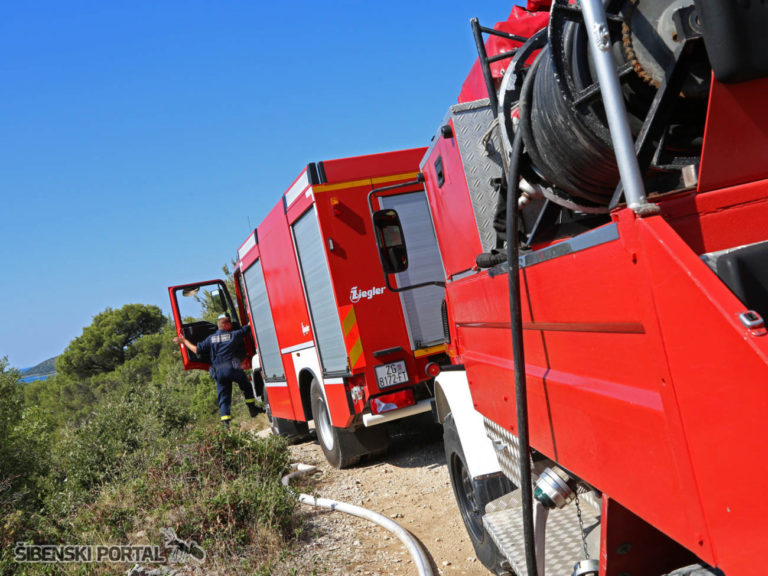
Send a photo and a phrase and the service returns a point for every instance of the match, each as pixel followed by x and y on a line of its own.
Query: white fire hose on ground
pixel 420 556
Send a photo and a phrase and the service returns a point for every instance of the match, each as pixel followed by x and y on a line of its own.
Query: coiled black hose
pixel 564 149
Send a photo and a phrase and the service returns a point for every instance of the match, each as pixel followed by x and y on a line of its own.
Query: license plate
pixel 391 374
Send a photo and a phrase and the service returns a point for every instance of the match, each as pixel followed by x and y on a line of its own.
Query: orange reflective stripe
pixel 355 354
pixel 365 182
pixel 352 340
pixel 427 351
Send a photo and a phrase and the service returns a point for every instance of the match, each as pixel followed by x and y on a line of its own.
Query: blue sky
pixel 141 141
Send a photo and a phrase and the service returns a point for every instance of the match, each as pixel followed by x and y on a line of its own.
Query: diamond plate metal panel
pixel 471 122
pixel 509 501
pixel 508 453
pixel 590 497
pixel 563 536
pixel 507 450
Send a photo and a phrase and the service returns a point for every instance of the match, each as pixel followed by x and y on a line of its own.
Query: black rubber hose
pixel 490 259
pixel 574 157
pixel 525 106
pixel 518 351
pixel 560 140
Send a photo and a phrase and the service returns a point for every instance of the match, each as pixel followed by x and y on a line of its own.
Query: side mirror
pixel 391 241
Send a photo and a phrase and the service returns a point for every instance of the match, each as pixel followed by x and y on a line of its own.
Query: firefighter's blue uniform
pixel 225 368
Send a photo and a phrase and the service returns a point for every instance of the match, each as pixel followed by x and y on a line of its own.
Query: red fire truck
pixel 606 411
pixel 334 345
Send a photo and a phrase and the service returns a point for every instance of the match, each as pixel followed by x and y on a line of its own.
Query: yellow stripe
pixel 355 183
pixel 226 417
pixel 427 351
pixel 349 322
pixel 355 352
pixel 250 400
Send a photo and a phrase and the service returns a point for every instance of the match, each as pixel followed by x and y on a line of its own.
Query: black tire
pixel 291 429
pixel 257 383
pixel 472 494
pixel 343 447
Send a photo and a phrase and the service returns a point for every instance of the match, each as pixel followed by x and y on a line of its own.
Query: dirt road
pixel 410 484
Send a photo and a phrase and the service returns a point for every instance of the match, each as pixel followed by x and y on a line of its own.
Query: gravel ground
pixel 410 484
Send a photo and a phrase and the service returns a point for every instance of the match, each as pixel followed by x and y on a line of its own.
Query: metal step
pixel 507 448
pixel 503 522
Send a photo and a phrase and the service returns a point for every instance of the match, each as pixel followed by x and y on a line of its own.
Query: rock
pixel 446 563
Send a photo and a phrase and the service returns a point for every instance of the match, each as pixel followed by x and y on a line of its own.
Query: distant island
pixel 41 371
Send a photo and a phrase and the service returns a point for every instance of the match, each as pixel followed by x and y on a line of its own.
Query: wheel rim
pixel 323 425
pixel 465 491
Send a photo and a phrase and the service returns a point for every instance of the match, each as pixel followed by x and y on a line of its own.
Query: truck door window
pixel 199 307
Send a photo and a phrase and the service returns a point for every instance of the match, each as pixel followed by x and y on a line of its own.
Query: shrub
pixel 115 456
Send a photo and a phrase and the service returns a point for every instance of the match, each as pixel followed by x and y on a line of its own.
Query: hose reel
pixel 659 61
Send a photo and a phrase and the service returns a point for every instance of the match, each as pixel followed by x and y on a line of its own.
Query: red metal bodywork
pixel 340 203
pixel 521 22
pixel 286 299
pixel 641 379
pixel 449 207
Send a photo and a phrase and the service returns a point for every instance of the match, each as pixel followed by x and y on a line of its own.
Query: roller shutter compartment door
pixel 317 284
pixel 266 335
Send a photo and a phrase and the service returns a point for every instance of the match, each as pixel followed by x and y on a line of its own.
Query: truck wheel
pixel 343 447
pixel 257 383
pixel 291 429
pixel 331 439
pixel 472 494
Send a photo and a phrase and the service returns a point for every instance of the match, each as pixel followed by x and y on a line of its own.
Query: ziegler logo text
pixel 355 295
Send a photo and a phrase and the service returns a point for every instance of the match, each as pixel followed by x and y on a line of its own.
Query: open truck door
pixel 196 308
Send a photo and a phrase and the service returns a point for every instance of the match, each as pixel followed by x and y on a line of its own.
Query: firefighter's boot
pixel 253 409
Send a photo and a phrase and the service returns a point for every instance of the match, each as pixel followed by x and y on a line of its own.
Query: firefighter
pixel 225 366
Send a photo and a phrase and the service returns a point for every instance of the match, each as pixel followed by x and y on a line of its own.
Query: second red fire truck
pixel 333 344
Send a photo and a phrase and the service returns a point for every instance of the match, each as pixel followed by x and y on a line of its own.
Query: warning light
pixel 432 369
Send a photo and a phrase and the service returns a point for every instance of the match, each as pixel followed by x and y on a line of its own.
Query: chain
pixel 629 49
pixel 581 526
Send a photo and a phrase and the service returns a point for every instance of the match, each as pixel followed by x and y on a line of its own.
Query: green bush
pixel 24 458
pixel 117 455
